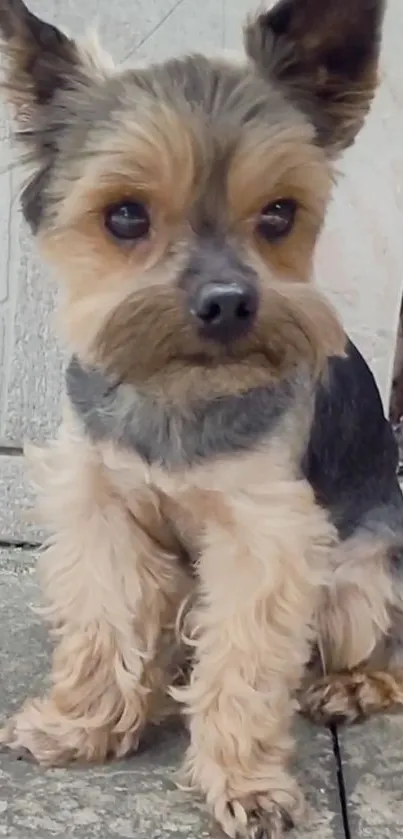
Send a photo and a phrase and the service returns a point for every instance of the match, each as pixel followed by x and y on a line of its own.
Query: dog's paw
pixel 40 732
pixel 270 823
pixel 7 743
pixel 345 698
pixel 329 701
pixel 260 816
pixel 17 737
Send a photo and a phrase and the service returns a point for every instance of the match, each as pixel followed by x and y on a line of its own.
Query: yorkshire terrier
pixel 224 479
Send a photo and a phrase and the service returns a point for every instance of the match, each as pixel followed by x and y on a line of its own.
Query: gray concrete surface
pixel 373 772
pixel 137 798
pixel 17 508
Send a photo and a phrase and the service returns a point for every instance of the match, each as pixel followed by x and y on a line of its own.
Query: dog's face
pixel 181 203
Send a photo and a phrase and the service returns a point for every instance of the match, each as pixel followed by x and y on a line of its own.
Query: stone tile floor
pixel 137 798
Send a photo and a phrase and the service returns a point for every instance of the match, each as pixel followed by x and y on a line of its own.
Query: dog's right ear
pixel 324 55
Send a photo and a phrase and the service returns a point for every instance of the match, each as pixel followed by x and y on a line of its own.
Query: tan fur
pixel 251 643
pixel 353 619
pixel 114 591
pixel 113 301
pixel 294 324
pixel 114 294
pixel 355 611
pixel 270 165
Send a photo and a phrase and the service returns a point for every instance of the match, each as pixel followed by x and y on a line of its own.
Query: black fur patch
pixel 352 457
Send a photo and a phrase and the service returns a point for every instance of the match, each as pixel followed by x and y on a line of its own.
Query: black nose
pixel 225 311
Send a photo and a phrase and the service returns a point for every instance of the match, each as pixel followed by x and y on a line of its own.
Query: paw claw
pixel 268 823
pixel 239 812
pixel 256 830
pixel 288 821
pixel 258 833
pixel 20 753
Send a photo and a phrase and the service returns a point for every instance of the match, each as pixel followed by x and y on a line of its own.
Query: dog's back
pixel 352 456
pixel 351 463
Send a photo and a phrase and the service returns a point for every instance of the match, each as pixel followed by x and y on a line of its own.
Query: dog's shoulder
pixel 351 458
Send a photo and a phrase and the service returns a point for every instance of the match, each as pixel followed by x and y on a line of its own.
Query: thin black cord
pixel 340 782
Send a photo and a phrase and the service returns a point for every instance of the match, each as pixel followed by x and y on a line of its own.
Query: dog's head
pixel 181 203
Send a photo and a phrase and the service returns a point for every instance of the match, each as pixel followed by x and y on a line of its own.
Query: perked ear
pixel 324 54
pixel 40 59
pixel 45 78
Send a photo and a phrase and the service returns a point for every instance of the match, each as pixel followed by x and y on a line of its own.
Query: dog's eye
pixel 277 219
pixel 128 221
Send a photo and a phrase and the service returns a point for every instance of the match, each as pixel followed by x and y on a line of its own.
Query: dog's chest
pixel 177 470
pixel 176 438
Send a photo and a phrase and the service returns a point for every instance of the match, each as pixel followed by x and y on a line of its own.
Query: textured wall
pixel 359 259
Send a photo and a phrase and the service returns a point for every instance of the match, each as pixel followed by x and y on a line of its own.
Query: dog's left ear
pixel 45 77
pixel 324 54
pixel 40 61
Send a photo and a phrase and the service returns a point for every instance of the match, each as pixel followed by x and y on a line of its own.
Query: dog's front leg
pixel 113 592
pixel 259 574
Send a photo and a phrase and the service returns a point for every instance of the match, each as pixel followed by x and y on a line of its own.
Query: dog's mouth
pixel 148 338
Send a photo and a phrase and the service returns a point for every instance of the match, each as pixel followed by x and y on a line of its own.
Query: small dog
pixel 224 480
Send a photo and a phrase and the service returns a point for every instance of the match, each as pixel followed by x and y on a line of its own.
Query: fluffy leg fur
pixel 113 595
pixel 355 620
pixel 259 575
